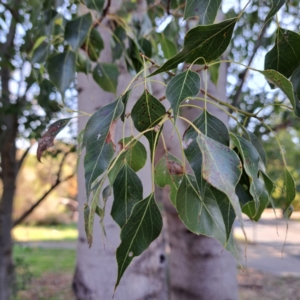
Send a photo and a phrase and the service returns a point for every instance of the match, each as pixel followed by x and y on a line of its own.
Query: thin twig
pixel 38 202
pixel 21 160
pixel 53 186
pixel 237 97
pixel 154 64
pixel 103 15
pixel 233 108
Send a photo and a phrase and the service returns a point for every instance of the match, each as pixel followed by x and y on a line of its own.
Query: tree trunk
pixel 200 267
pixel 96 269
pixel 8 176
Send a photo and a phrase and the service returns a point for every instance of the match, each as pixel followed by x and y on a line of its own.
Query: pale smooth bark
pixel 179 264
pixel 96 269
pixel 200 268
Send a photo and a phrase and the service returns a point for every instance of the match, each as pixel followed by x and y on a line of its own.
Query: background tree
pixel 29 101
pixel 65 43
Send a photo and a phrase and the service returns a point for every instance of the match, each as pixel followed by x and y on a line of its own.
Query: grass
pixel 43 272
pixel 24 233
pixel 44 260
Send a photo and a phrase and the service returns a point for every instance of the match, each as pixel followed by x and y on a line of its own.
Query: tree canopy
pixel 184 43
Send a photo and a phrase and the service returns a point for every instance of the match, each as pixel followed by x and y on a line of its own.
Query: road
pixel 264 250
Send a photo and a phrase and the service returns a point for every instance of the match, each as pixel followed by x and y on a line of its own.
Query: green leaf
pixel 106 75
pixel 215 129
pixel 295 79
pixel 95 5
pixel 284 57
pixel 182 86
pixel 168 47
pixel 142 228
pixel 118 42
pixel 282 82
pixel 146 113
pixel 76 30
pixel 221 168
pixel 83 64
pixel 98 142
pixel 134 149
pixel 250 208
pixel 202 43
pixel 290 187
pixel 61 69
pixel 169 171
pixel 250 159
pixel 226 209
pixel 94 44
pixel 41 53
pixel 200 215
pixel 214 73
pixel 125 99
pixel 146 47
pixel 206 9
pixel 128 190
pixel 270 186
pixel 260 149
pixel 276 5
pixel 135 155
pixel 134 54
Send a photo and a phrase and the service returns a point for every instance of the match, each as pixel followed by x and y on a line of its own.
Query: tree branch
pixel 104 13
pixel 21 160
pixel 237 97
pixel 40 200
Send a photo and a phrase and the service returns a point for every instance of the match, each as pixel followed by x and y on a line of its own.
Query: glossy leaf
pixel 250 158
pixel 142 228
pixel 202 43
pixel 106 75
pixel 295 79
pixel 94 44
pixel 182 86
pixel 276 5
pixel 284 57
pixel 282 82
pixel 169 171
pixel 41 53
pixel 146 113
pixel 290 187
pixel 61 69
pixel 46 141
pixel 98 141
pixel 135 155
pixel 200 215
pixel 95 5
pixel 76 30
pixel 206 9
pixel 128 190
pixel 221 168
